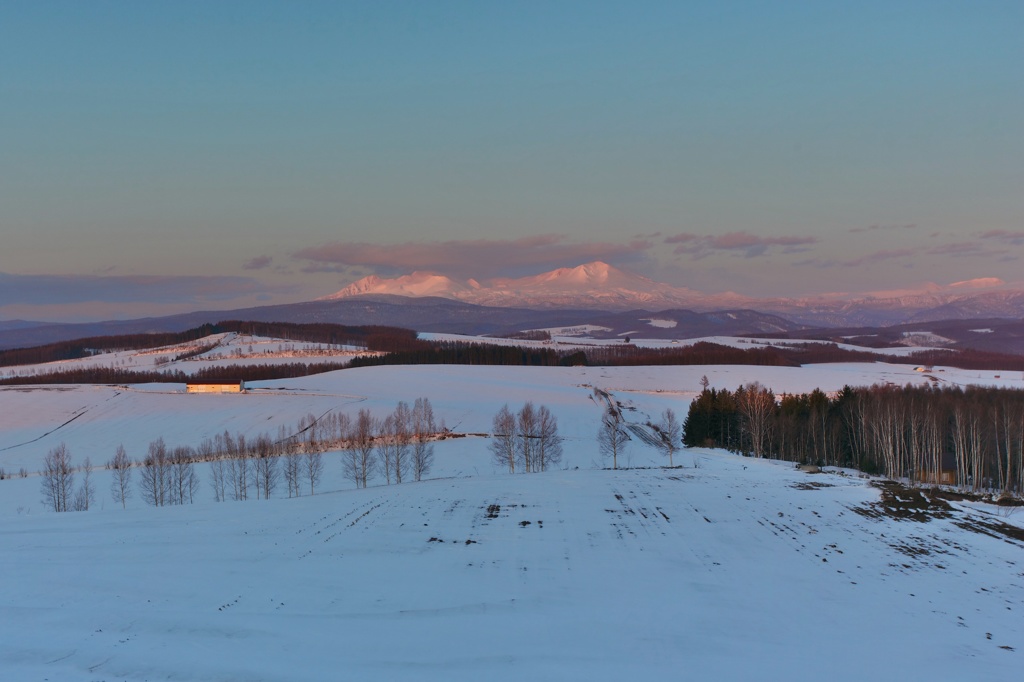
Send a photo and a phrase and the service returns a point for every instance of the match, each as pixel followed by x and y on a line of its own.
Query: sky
pixel 163 157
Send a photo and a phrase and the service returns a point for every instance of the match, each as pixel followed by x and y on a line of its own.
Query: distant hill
pixel 429 314
pixel 992 335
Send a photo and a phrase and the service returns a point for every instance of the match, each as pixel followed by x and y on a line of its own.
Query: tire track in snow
pixel 83 411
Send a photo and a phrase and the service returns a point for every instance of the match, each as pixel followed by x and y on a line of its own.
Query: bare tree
pixel 612 436
pixel 87 491
pixel 219 475
pixel 58 479
pixel 503 442
pixel 342 429
pixel 403 439
pixel 293 466
pixel 120 486
pixel 669 434
pixel 386 447
pixel 423 429
pixel 239 469
pixel 184 479
pixel 549 443
pixel 154 475
pixel 359 465
pixel 526 437
pixel 314 469
pixel 265 470
pixel 756 403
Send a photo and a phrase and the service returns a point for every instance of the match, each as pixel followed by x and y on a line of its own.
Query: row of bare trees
pixel 528 440
pixel 242 468
pixel 398 446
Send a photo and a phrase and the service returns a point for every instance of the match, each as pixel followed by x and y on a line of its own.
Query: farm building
pixel 215 388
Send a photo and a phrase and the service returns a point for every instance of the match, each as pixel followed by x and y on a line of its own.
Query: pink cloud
pixel 869 228
pixel 473 258
pixel 1006 236
pixel 74 289
pixel 960 249
pixel 258 263
pixel 681 238
pixel 867 259
pixel 749 245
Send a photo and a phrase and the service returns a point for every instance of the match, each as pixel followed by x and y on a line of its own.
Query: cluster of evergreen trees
pixel 972 437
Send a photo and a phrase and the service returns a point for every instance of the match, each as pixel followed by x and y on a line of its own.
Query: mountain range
pixel 611 303
pixel 601 286
pixel 594 285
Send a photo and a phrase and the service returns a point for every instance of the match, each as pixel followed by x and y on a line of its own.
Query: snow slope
pixel 727 568
pixel 735 570
pixel 94 420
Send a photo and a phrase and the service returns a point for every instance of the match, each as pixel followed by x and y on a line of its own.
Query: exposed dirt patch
pixel 993 529
pixel 905 504
pixel 910 550
pixel 913 504
pixel 811 485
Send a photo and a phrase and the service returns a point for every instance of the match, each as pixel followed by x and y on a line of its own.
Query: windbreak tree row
pixel 399 447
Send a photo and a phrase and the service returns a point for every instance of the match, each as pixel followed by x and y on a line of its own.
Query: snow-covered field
pixel 94 420
pixel 726 568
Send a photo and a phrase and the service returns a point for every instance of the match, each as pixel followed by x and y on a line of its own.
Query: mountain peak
pixel 416 284
pixel 590 285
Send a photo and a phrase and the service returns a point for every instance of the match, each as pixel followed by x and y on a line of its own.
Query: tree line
pixel 398 447
pixel 970 437
pixel 226 374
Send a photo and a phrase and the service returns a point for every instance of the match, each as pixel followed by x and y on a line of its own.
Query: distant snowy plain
pixel 726 568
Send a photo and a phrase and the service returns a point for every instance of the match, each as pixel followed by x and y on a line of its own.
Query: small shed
pixel 946 475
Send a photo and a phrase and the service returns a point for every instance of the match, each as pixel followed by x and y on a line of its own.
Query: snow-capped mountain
pixel 599 285
pixel 592 285
pixel 417 284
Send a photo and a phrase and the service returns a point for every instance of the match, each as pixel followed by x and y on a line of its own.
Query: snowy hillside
pixel 215 350
pixel 739 569
pixel 94 420
pixel 724 568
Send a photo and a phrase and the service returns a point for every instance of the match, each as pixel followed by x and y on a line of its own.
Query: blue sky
pixel 206 155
